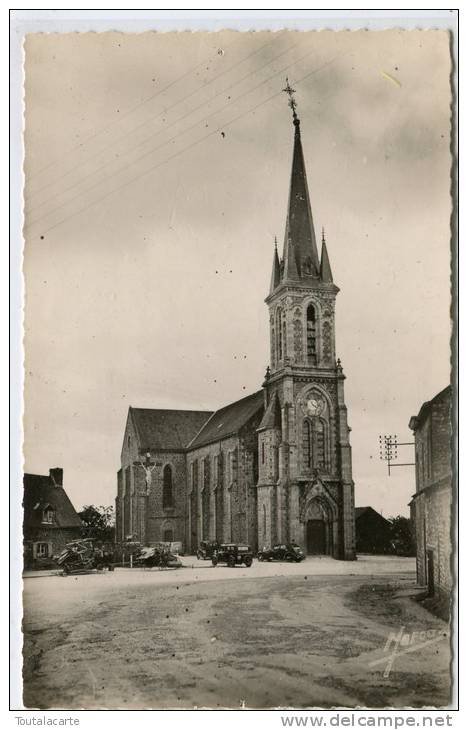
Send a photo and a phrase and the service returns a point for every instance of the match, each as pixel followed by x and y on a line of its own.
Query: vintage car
pixel 206 549
pixel 158 556
pixel 84 556
pixel 233 555
pixel 290 552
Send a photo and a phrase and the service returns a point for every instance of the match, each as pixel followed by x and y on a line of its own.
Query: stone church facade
pixel 274 466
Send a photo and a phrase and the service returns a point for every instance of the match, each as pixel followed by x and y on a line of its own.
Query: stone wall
pixel 162 518
pixel 221 493
pixel 213 492
pixel 288 314
pixel 431 506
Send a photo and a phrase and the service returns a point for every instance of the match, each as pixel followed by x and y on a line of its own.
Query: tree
pixel 402 535
pixel 98 522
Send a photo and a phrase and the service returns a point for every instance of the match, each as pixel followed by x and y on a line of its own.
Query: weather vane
pixel 292 102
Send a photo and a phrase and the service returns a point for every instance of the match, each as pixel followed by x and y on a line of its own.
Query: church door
pixel 316 541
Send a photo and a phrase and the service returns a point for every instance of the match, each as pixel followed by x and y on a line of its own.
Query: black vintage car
pixel 290 552
pixel 206 549
pixel 233 555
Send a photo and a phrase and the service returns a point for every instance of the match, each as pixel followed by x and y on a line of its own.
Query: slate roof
pixel 229 420
pixel 40 492
pixel 167 429
pixel 300 246
pixel 359 511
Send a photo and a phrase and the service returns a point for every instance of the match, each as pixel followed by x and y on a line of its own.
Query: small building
pixel 50 520
pixel 373 531
pixel 431 505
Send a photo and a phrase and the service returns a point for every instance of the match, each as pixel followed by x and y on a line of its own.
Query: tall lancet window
pixel 307 443
pixel 279 334
pixel 315 447
pixel 168 497
pixel 311 335
pixel 319 444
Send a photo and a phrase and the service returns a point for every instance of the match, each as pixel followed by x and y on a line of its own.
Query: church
pixel 274 466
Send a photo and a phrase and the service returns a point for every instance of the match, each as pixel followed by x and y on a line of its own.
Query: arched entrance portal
pixel 316 537
pixel 319 515
pixel 319 528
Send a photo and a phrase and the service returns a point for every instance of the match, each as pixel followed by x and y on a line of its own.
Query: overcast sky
pixel 157 172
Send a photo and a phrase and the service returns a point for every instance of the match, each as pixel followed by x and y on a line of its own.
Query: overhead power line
pixel 152 118
pixel 105 129
pixel 161 131
pixel 166 142
pixel 185 149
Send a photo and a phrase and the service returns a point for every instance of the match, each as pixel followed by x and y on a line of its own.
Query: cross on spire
pixel 292 102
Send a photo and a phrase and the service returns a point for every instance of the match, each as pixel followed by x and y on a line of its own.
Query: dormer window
pixel 308 265
pixel 48 515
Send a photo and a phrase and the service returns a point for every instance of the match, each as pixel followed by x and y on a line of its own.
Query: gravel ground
pixel 274 635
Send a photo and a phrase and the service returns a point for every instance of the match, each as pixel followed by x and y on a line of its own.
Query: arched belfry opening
pixel 311 329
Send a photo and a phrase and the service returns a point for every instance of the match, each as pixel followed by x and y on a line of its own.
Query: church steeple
pixel 304 454
pixel 300 248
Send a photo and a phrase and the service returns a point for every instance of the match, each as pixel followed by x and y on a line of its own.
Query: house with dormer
pixel 50 519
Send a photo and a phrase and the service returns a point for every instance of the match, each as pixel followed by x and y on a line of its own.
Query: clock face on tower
pixel 313 404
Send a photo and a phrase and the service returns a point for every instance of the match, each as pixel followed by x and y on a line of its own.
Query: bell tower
pixel 305 487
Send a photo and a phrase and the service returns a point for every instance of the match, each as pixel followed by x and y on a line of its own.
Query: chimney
pixel 56 476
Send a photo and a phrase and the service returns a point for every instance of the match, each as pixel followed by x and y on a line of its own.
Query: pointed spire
pixel 325 268
pixel 272 415
pixel 299 239
pixel 275 271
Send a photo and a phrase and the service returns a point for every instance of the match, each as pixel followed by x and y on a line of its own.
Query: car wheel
pixel 231 561
pixel 288 558
pixel 111 568
pixel 214 560
pixel 248 562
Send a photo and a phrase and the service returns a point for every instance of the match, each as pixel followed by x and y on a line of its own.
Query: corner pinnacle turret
pixel 325 268
pixel 275 271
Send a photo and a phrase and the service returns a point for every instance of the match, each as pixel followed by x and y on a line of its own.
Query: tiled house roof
pixel 39 493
